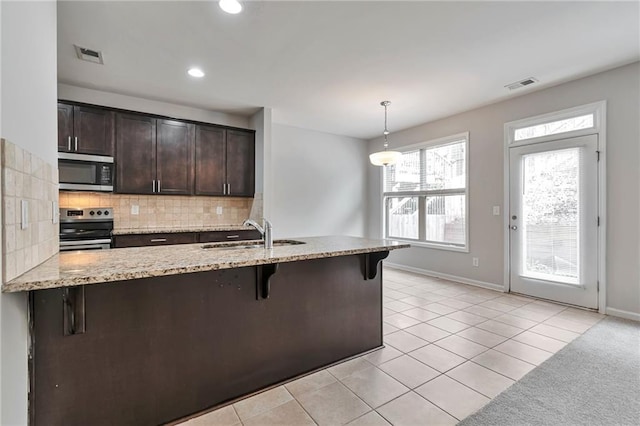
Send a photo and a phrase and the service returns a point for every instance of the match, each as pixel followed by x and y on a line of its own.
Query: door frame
pixel 599 111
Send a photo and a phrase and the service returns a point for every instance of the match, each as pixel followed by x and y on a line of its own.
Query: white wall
pixel 28 81
pixel 621 89
pixel 319 183
pixel 1 213
pixel 29 119
pixel 261 123
pixel 132 103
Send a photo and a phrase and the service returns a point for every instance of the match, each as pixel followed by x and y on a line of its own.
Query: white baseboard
pixel 623 314
pixel 477 283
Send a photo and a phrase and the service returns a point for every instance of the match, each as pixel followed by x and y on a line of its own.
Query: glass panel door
pixel 553 220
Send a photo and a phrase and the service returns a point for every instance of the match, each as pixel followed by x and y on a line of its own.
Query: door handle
pixel 514 227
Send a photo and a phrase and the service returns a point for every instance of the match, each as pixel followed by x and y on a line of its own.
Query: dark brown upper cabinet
pixel 85 130
pixel 224 162
pixel 154 156
pixel 210 164
pixel 241 152
pixel 135 154
pixel 174 154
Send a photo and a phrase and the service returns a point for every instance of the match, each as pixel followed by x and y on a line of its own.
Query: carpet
pixel 594 380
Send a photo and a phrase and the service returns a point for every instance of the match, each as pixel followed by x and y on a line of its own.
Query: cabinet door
pixel 65 127
pixel 210 168
pixel 174 157
pixel 135 154
pixel 240 163
pixel 93 130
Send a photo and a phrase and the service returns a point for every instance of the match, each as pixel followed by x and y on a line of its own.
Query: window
pixel 425 194
pixel 577 121
pixel 554 127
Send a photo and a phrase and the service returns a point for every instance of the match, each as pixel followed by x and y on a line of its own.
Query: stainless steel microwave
pixel 82 172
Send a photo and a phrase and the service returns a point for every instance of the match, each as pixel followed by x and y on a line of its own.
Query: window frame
pixel 423 195
pixel 594 109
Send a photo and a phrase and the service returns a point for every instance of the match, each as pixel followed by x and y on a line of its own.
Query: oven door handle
pixel 84 242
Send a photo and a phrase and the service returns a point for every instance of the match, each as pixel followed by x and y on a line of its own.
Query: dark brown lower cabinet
pixel 158 349
pixel 220 236
pixel 143 240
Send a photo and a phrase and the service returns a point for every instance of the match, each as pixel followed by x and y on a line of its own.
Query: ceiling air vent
pixel 521 83
pixel 90 55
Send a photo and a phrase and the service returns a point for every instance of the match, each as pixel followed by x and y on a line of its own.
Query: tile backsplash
pixel 163 211
pixel 28 180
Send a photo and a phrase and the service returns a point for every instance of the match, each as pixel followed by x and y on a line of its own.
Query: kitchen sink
pixel 244 245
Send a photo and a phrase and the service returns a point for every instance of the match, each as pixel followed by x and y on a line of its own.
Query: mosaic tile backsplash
pixel 163 211
pixel 27 178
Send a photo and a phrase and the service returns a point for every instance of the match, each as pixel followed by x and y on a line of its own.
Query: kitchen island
pixel 153 334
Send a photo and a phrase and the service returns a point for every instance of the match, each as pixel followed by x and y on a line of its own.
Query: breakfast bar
pixel 151 335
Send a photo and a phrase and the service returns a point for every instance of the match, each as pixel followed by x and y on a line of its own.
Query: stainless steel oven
pixel 86 228
pixel 82 172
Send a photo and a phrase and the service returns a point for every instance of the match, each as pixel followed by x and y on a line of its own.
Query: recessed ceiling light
pixel 195 72
pixel 230 6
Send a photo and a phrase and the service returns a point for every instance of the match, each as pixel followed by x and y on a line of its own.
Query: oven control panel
pixel 86 214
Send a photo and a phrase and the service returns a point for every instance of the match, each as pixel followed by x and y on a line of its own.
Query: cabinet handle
pixel 153 186
pixel 69 143
pixel 233 236
pixel 76 142
pixel 224 189
pixel 158 240
pixel 159 185
pixel 228 189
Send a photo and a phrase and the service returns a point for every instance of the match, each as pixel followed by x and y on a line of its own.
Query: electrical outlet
pixel 24 214
pixel 55 212
pixel 475 261
pixel 135 209
pixel 219 210
pixel 496 210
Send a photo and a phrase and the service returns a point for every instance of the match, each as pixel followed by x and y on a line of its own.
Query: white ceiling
pixel 326 65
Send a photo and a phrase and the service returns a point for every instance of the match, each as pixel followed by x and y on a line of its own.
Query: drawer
pixel 218 236
pixel 142 240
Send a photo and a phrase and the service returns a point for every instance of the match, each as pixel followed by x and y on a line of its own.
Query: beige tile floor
pixel 450 349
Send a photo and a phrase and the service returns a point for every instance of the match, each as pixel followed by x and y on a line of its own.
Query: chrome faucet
pixel 265 230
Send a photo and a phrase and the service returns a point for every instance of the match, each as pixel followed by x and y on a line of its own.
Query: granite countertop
pixel 101 266
pixel 174 230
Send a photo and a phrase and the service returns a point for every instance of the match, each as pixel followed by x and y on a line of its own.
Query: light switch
pixel 219 210
pixel 135 209
pixel 496 210
pixel 24 214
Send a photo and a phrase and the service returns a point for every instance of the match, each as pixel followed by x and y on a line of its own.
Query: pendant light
pixel 384 157
pixel 230 6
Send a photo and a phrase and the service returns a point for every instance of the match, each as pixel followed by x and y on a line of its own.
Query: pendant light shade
pixel 230 6
pixel 385 157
